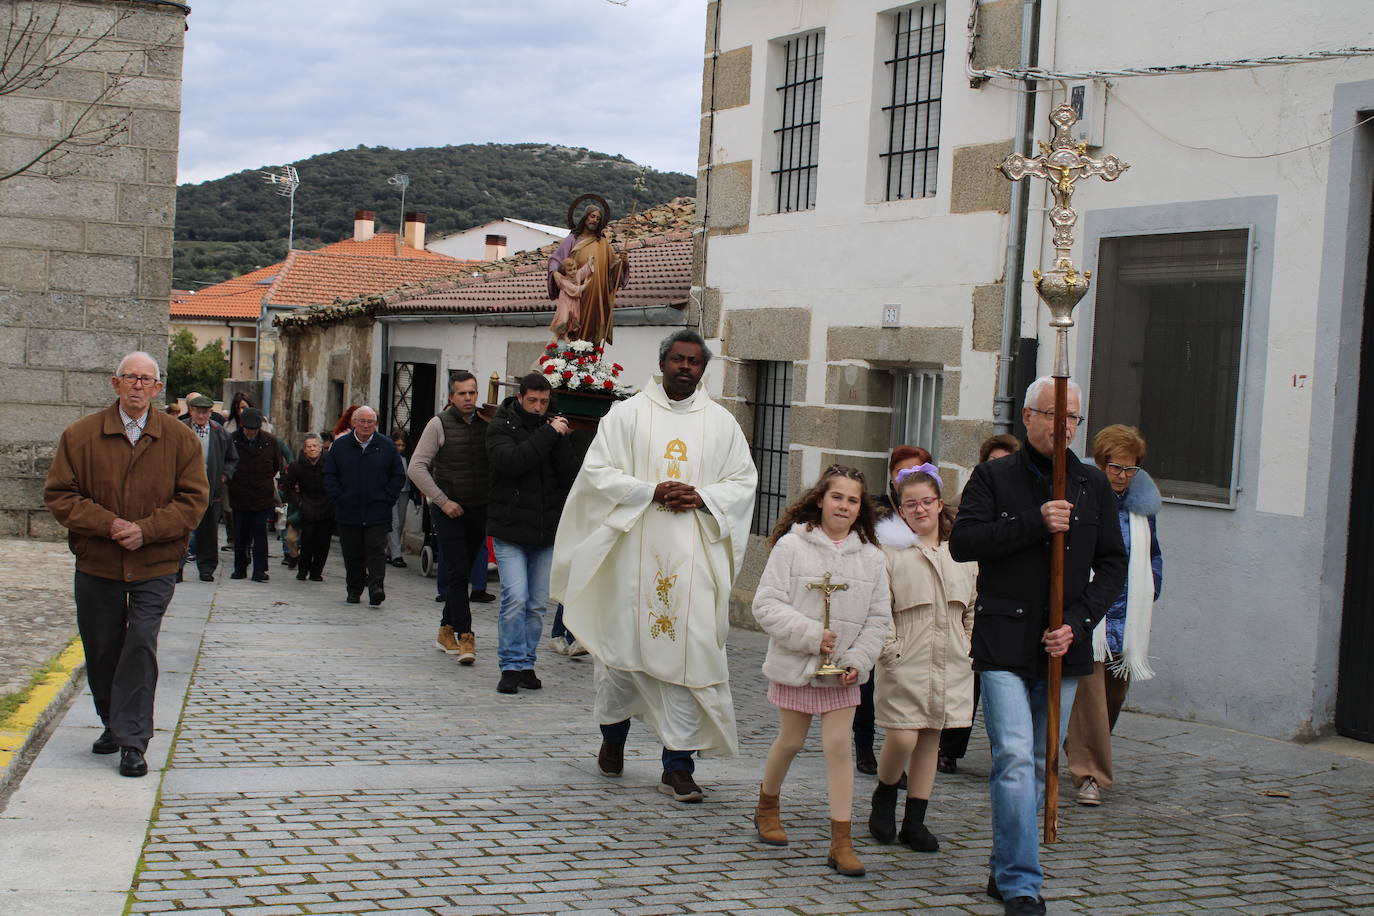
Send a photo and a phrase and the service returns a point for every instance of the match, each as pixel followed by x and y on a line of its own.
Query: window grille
pixel 772 436
pixel 799 134
pixel 403 394
pixel 913 125
pixel 917 404
pixel 1167 354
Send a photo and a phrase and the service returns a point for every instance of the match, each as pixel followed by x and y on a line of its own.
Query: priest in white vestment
pixel 651 537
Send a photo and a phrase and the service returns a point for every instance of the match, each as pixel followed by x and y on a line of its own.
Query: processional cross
pixel 1062 163
pixel 825 587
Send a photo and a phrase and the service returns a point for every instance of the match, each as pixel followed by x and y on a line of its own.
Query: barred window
pixel 772 407
pixel 917 404
pixel 799 133
pixel 913 114
pixel 1167 354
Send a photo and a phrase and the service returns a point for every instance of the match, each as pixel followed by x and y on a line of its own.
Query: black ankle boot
pixel 864 761
pixel 914 832
pixel 882 818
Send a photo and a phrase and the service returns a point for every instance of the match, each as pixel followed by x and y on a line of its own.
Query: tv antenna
pixel 286 180
pixel 402 181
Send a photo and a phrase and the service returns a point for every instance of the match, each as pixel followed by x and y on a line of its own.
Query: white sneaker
pixel 576 649
pixel 558 646
pixel 1089 793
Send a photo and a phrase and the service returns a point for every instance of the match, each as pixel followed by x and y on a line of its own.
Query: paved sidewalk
pixel 330 760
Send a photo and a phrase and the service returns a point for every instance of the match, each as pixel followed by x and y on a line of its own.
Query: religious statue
pixel 584 274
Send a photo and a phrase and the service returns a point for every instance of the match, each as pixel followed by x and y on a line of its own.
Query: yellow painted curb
pixel 17 728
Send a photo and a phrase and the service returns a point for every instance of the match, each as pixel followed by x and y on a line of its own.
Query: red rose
pixel 567 374
pixel 552 346
pixel 608 385
pixel 588 380
pixel 569 354
pixel 549 370
pixel 617 367
pixel 543 359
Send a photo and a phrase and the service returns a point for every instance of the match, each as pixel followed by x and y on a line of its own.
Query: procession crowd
pixel 883 605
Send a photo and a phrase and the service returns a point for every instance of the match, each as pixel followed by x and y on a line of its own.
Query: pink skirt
pixel 812 698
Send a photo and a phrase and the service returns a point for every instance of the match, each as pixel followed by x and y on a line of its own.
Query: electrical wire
pixel 1032 74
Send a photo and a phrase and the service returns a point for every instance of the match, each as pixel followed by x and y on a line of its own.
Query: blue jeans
pixel 524 592
pixel 1014 714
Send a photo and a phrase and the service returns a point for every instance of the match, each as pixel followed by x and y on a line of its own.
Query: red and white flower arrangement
pixel 579 366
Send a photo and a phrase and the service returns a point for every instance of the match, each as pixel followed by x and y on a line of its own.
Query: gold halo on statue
pixel 601 203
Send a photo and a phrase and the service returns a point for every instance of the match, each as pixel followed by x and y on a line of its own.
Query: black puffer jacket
pixel 305 483
pixel 253 485
pixel 1000 526
pixel 531 468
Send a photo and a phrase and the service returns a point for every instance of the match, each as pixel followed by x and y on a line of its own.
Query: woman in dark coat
pixel 304 482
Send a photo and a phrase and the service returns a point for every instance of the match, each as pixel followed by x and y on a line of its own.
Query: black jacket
pixel 363 483
pixel 253 485
pixel 532 468
pixel 304 483
pixel 220 459
pixel 1000 526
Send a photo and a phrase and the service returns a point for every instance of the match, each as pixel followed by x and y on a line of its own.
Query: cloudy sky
pixel 272 81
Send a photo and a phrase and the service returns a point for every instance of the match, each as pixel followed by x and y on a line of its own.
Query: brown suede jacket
pixel 159 484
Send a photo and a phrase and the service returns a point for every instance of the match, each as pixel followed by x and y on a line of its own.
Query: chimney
pixel 496 247
pixel 415 230
pixel 364 225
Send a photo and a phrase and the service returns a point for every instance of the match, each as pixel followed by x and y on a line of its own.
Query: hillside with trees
pixel 234 224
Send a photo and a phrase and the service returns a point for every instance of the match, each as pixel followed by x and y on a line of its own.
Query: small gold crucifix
pixel 825 588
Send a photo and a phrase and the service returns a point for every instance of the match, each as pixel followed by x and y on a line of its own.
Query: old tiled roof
pixel 384 244
pixel 237 299
pixel 658 240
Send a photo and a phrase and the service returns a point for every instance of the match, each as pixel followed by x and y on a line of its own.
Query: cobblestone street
pixel 330 760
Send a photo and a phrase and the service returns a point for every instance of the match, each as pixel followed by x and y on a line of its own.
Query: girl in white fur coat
pixel 826 537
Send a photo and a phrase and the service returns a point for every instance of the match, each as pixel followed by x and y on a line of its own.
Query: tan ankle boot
pixel 768 820
pixel 842 857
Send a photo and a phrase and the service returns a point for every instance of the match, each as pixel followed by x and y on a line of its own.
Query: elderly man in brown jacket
pixel 129 485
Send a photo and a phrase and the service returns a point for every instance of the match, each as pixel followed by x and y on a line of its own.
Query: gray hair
pixel 368 407
pixel 1043 382
pixel 686 335
pixel 309 436
pixel 137 354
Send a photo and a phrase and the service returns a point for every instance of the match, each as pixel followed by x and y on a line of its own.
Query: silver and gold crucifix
pixel 827 666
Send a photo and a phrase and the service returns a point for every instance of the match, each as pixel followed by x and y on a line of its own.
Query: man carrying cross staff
pixel 1042 526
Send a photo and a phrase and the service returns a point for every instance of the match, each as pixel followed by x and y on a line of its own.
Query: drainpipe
pixel 1004 405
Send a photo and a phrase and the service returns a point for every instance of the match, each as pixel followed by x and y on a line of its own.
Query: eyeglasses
pixel 134 381
pixel 1074 418
pixel 841 470
pixel 1114 468
pixel 911 504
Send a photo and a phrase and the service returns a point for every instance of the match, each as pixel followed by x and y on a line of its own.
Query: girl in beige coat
pixel 822 548
pixel 924 679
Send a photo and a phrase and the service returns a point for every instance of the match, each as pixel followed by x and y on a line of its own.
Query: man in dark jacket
pixel 221 458
pixel 449 465
pixel 252 492
pixel 363 476
pixel 530 460
pixel 304 485
pixel 1006 517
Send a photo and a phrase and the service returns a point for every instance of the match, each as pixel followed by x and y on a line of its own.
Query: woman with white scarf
pixel 1121 641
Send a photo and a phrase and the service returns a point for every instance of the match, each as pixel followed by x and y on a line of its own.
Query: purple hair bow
pixel 926 468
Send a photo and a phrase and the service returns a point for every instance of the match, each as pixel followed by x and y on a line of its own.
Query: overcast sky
pixel 272 81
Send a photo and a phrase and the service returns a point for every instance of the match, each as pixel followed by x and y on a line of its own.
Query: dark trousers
pixel 461 538
pixel 119 624
pixel 364 554
pixel 250 531
pixel 863 716
pixel 954 741
pixel 205 540
pixel 313 545
pixel 680 761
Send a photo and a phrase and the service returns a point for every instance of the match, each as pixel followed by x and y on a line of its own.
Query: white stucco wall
pixel 471 244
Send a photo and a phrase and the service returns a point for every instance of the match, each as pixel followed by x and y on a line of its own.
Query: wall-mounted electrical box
pixel 1089 99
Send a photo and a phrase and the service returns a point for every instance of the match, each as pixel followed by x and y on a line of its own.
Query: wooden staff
pixel 1056 615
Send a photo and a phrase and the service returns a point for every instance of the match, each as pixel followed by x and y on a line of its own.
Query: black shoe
pixel 1024 906
pixel 105 744
pixel 290 562
pixel 207 577
pixel 993 890
pixel 178 578
pixel 680 785
pixel 354 597
pixel 482 597
pixel 301 575
pixel 131 762
pixel 509 683
pixel 864 761
pixel 529 680
pixel 260 577
pixel 442 599
pixel 610 760
pixel 315 577
pixel 238 575
pixel 882 816
pixel 398 562
pixel 376 598
pixel 947 764
pixel 914 833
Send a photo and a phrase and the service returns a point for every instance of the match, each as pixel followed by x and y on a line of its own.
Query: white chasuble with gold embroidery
pixel 645 589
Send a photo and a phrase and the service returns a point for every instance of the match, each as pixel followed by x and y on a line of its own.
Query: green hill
pixel 233 224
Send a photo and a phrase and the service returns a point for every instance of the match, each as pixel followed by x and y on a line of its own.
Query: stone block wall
pixel 86 241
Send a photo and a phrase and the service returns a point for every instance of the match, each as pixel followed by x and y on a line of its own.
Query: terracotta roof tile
pixel 321 277
pixel 236 299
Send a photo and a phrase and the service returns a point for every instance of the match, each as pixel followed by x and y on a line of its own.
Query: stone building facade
pixel 86 243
